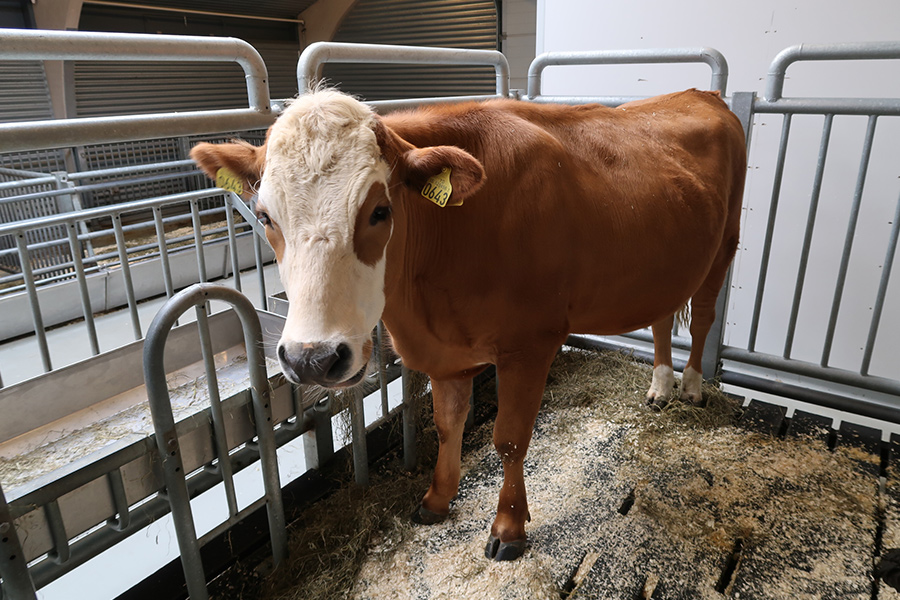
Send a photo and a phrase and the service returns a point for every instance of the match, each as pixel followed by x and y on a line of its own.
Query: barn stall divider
pixel 62 518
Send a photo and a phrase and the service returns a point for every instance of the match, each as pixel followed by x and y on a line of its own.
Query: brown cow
pixel 560 219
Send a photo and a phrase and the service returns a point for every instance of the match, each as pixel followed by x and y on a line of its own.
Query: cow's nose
pixel 322 364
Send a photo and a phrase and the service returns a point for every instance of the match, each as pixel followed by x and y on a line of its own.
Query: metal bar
pixel 867 407
pixel 86 308
pixel 318 53
pixel 848 240
pixel 36 315
pixel 836 106
pixel 33 182
pixel 358 435
pixel 807 238
pixel 17 44
pixel 815 52
pixel 17 583
pixel 188 11
pixel 198 241
pixel 260 273
pixel 379 360
pixel 232 243
pixel 93 187
pixel 167 438
pixel 709 56
pixel 105 211
pixel 770 228
pixel 60 553
pixel 805 369
pixel 163 251
pixel 120 500
pixel 409 424
pixel 882 291
pixel 112 172
pixel 126 276
pixel 220 439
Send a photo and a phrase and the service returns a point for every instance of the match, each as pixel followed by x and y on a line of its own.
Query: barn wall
pixel 750 35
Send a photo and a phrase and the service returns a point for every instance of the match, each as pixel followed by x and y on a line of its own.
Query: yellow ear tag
pixel 438 189
pixel 227 180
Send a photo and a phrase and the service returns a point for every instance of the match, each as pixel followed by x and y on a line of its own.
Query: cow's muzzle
pixel 324 364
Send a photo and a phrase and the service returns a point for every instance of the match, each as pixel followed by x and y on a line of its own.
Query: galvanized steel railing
pixel 17 44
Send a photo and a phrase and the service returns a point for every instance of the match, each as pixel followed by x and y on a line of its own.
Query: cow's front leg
pixel 663 376
pixel 451 407
pixel 519 398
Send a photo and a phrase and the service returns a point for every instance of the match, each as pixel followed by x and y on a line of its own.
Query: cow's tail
pixel 683 316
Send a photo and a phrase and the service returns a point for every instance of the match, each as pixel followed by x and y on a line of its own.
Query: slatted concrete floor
pixel 629 504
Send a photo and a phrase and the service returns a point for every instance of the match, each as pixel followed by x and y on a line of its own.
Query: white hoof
pixel 691 381
pixel 662 385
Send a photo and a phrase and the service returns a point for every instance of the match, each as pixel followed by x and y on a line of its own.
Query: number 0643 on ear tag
pixel 438 189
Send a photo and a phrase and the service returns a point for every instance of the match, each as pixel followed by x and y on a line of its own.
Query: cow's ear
pixel 425 168
pixel 245 161
pixel 416 167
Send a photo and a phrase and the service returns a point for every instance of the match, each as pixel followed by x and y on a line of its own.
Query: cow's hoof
pixel 423 516
pixel 657 402
pixel 504 550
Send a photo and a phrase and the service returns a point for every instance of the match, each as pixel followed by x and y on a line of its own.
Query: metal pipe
pixel 126 276
pixel 835 106
pixel 232 242
pixel 86 308
pixel 11 185
pixel 807 238
pixel 198 241
pixel 120 500
pixel 34 302
pixel 220 440
pixel 709 56
pixel 115 171
pixel 770 229
pixel 848 240
pixel 188 11
pixel 358 436
pixel 94 187
pixel 882 291
pixel 163 251
pixel 17 583
pixel 409 424
pixel 60 553
pixel 17 44
pixel 260 273
pixel 379 360
pixel 815 52
pixel 318 53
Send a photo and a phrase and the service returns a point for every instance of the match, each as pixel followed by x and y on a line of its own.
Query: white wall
pixel 750 35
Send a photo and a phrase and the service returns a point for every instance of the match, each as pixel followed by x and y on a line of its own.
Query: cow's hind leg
pixel 522 382
pixel 703 313
pixel 663 375
pixel 451 407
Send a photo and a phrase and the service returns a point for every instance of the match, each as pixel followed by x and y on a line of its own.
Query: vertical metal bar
pixel 882 291
pixel 198 241
pixel 257 254
pixel 848 240
pixel 36 316
pixel 358 434
pixel 409 424
pixel 807 238
pixel 60 553
pixel 379 359
pixel 87 309
pixel 163 250
pixel 120 500
pixel 220 440
pixel 17 583
pixel 232 243
pixel 319 443
pixel 126 275
pixel 770 228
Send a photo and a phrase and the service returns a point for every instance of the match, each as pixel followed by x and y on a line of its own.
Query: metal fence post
pixel 17 583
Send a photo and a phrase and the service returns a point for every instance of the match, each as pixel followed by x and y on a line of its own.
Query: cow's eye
pixel 263 218
pixel 381 213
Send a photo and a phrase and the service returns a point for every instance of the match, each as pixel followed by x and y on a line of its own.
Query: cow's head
pixel 329 177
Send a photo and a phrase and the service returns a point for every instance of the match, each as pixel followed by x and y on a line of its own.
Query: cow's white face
pixel 324 199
